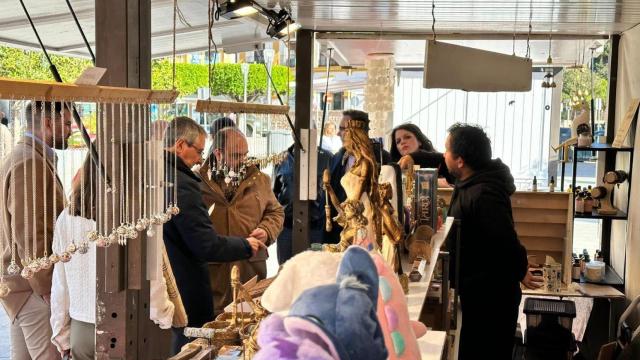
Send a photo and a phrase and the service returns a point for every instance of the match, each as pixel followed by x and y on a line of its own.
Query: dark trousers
pixel 178 340
pixel 489 319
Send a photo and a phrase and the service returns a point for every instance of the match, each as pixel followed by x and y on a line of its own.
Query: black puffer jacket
pixel 490 252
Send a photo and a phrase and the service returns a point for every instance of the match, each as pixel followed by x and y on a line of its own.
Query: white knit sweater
pixel 78 279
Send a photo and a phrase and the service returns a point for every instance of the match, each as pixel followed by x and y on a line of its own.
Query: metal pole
pixel 326 98
pixel 84 37
pixel 304 91
pixel 245 75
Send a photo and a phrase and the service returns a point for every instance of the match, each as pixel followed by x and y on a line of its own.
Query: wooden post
pixel 123 328
pixel 304 93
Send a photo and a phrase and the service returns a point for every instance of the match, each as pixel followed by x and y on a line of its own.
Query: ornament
pixel 121 230
pixel 54 258
pixel 35 266
pixel 92 235
pixel 13 269
pixel 175 210
pixel 71 248
pixel 45 263
pixel 26 273
pixel 150 232
pixel 102 241
pixel 132 233
pixel 4 290
pixel 140 225
pixel 83 248
pixel 65 257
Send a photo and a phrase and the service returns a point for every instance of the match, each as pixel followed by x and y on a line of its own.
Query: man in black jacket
pixel 284 188
pixel 189 237
pixel 492 260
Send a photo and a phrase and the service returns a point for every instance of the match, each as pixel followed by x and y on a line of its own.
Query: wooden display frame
pixel 221 107
pixel 52 91
pixel 544 224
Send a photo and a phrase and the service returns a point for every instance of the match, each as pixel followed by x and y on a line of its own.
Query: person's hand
pixel 256 245
pixel 260 234
pixel 443 183
pixel 531 281
pixel 406 162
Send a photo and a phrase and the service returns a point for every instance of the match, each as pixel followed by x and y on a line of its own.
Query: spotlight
pixel 281 24
pixel 233 9
pixel 289 28
pixel 282 28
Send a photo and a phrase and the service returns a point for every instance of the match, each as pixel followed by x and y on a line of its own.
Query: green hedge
pixel 27 64
pixel 228 79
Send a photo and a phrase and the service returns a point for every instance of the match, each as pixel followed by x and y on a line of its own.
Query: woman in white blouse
pixel 73 289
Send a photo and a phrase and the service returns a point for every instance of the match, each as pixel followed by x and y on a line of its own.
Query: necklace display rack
pixel 138 198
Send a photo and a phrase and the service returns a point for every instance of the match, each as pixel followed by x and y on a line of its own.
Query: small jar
pixel 575 271
pixel 579 204
pixel 588 204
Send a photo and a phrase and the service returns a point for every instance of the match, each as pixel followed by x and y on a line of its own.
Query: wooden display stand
pixel 544 224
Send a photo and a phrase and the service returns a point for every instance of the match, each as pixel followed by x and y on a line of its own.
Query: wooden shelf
pixel 611 277
pixel 602 147
pixel 620 215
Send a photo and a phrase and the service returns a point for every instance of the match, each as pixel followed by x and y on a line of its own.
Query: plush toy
pixel 335 321
pixel 305 270
pixel 400 333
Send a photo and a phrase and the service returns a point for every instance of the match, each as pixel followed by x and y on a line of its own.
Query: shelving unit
pixel 611 276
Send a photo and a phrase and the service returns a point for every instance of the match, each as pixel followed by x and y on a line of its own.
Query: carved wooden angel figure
pixel 360 181
pixel 391 230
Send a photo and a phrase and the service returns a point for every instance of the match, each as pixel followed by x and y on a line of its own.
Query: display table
pixel 583 295
pixel 432 344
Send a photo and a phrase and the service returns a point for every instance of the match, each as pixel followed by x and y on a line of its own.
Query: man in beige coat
pixel 251 209
pixel 31 164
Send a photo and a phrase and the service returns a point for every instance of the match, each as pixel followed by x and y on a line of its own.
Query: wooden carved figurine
pixel 360 183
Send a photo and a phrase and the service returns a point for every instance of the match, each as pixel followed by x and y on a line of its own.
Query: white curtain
pixel 625 236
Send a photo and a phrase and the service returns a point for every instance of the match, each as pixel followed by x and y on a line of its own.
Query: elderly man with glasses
pixel 190 237
pixel 244 207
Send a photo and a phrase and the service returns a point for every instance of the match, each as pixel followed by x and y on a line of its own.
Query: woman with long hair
pixel 407 139
pixel 410 146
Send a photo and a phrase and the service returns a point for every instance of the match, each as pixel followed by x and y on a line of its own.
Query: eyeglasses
pixel 200 151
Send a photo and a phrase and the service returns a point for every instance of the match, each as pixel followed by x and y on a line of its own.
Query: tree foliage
pixel 227 79
pixel 32 65
pixel 577 82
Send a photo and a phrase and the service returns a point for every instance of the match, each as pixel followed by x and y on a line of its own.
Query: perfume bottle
pixel 552 185
pixel 534 186
pixel 579 203
pixel 588 202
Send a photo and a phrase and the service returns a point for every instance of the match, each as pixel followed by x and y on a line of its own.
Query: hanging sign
pixel 448 66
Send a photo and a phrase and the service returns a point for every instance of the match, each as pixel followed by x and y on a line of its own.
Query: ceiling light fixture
pixel 281 24
pixel 234 9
